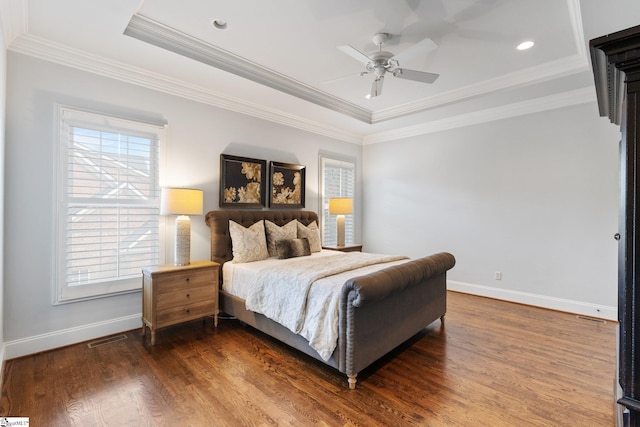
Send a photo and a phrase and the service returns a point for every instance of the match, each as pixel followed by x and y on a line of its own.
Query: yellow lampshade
pixel 181 201
pixel 340 206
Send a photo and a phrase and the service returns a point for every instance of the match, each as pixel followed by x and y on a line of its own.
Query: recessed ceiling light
pixel 525 45
pixel 220 24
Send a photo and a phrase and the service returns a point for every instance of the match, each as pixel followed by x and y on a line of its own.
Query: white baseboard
pixel 552 303
pixel 49 341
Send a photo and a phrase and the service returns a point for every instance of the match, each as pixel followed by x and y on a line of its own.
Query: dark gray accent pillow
pixel 290 248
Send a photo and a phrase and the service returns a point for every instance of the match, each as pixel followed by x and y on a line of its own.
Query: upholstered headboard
pixel 218 222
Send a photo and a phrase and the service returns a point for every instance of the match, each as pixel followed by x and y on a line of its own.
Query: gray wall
pixel 533 197
pixel 196 135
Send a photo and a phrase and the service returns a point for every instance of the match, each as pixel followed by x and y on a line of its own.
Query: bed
pixel 376 312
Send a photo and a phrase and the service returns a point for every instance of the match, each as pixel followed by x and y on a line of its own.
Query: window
pixel 337 179
pixel 108 203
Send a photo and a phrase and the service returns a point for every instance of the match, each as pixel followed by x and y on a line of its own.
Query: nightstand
pixel 175 294
pixel 345 248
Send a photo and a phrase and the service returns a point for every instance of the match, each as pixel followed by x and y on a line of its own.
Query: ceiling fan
pixel 381 62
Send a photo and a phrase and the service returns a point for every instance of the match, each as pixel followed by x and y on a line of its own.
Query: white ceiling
pixel 286 51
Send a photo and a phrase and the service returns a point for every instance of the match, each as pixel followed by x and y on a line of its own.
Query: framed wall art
pixel 242 182
pixel 286 185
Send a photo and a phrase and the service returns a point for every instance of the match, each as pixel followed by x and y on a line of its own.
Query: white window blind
pixel 108 195
pixel 337 180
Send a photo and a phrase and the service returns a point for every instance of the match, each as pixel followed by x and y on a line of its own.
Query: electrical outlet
pixel 498 275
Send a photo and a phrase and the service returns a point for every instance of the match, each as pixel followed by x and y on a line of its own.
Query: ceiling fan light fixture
pixel 525 45
pixel 376 87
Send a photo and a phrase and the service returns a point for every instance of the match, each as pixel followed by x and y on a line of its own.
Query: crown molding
pixel 551 102
pixel 63 55
pixel 160 35
pixel 573 64
pixel 13 19
pixel 537 74
pixel 60 54
pixel 146 29
pixel 575 15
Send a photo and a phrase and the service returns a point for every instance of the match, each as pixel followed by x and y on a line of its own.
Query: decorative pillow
pixel 291 248
pixel 311 232
pixel 275 233
pixel 248 244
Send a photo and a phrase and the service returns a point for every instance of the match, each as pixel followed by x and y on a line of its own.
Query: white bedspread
pixel 303 293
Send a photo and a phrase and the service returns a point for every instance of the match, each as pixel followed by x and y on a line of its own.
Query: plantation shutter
pixel 338 180
pixel 109 203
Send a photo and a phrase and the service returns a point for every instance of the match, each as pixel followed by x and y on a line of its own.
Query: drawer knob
pixel 187 279
pixel 188 310
pixel 188 295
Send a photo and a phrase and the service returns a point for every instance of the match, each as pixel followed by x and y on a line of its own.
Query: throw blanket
pixel 281 292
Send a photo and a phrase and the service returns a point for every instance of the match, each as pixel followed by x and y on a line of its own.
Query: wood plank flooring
pixel 492 364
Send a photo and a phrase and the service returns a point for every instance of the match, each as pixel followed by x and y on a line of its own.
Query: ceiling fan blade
pixel 418 76
pixel 355 54
pixel 376 87
pixel 420 48
pixel 337 79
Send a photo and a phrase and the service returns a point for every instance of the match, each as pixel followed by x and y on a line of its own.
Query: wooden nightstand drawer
pixel 171 282
pixel 175 294
pixel 184 313
pixel 187 295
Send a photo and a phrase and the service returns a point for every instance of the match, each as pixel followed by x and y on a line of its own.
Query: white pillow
pixel 288 231
pixel 311 232
pixel 248 244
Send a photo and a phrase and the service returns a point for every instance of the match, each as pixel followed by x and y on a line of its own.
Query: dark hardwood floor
pixel 492 364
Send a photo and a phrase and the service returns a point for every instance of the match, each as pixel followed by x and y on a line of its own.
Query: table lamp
pixel 181 202
pixel 340 206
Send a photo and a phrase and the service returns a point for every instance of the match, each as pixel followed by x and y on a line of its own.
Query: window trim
pixel 62 292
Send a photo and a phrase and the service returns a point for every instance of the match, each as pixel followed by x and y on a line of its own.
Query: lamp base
pixel 182 254
pixel 340 224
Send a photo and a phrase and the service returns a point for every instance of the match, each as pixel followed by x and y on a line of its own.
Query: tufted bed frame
pixel 378 311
